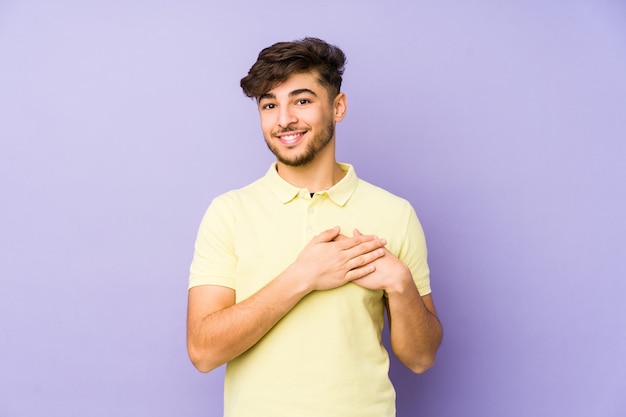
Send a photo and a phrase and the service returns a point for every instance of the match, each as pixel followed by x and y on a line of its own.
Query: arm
pixel 415 331
pixel 218 329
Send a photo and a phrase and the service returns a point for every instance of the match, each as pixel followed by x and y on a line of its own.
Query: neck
pixel 318 175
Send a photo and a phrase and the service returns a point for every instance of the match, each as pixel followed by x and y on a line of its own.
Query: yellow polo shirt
pixel 325 357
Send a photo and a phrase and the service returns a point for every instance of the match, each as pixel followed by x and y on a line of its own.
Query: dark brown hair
pixel 278 62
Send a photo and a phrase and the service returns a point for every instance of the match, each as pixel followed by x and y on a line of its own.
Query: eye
pixel 302 101
pixel 268 106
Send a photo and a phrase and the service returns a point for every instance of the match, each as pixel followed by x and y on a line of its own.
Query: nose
pixel 286 116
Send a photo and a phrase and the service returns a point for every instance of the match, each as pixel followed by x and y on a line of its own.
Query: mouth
pixel 290 138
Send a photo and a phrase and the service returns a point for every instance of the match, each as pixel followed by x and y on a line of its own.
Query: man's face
pixel 298 119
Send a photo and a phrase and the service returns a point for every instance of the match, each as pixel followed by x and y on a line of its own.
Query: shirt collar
pixel 339 193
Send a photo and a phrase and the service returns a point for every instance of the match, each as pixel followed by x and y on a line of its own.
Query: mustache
pixel 289 129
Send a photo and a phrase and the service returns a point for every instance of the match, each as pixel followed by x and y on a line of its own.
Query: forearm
pixel 415 331
pixel 222 335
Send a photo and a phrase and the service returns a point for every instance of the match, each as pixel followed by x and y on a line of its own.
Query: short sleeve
pixel 414 253
pixel 214 260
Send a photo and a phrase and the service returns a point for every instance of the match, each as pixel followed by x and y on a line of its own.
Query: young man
pixel 292 273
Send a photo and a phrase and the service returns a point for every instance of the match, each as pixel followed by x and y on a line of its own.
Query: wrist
pixel 296 281
pixel 401 284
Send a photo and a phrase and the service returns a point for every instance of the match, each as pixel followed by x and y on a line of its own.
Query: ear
pixel 340 106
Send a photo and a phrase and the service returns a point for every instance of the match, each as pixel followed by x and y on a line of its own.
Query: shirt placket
pixel 312 224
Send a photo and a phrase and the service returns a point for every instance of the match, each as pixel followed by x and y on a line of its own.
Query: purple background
pixel 503 122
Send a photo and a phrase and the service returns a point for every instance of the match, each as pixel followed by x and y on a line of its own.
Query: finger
pixel 363 245
pixel 365 259
pixel 357 233
pixel 347 243
pixel 361 272
pixel 328 235
pixel 341 237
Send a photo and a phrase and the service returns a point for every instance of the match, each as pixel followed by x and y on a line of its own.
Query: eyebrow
pixel 271 96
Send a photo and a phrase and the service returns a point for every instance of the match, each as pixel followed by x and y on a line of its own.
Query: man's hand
pixel 331 260
pixel 414 327
pixel 384 272
pixel 389 274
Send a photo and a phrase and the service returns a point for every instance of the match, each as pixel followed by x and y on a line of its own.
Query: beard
pixel 319 142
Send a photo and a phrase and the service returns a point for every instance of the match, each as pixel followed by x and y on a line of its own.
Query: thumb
pixel 328 235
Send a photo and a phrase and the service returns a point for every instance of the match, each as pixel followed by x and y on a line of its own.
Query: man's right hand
pixel 331 259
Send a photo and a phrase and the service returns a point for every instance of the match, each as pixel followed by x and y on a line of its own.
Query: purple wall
pixel 503 122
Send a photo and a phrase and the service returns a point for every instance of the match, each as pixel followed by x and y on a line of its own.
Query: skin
pixel 298 121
